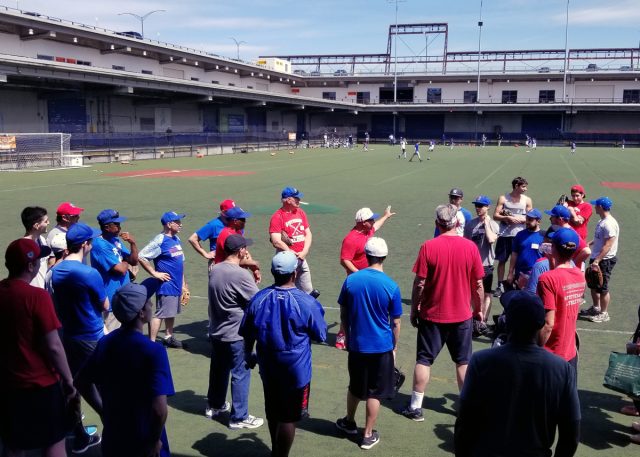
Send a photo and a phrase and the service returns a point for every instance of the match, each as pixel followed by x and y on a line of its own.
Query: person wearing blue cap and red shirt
pixel 134 378
pixel 168 259
pixel 289 231
pixel 526 247
pixel 281 320
pixel 560 218
pixel 36 380
pixel 561 290
pixel 210 231
pixel 483 231
pixel 516 396
pixel 111 257
pixel 604 253
pixel 81 299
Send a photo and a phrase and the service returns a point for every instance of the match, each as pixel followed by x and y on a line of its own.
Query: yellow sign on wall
pixel 7 142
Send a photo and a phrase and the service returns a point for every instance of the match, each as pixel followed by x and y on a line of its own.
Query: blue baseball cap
pixel 559 211
pixel 236 213
pixel 534 214
pixel 605 202
pixel 80 232
pixel 171 216
pixel 284 262
pixel 131 298
pixel 565 238
pixel 291 192
pixel 482 200
pixel 109 216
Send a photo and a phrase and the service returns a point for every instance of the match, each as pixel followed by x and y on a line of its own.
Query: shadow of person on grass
pixel 189 402
pixel 245 444
pixel 598 430
pixel 198 342
pixel 401 400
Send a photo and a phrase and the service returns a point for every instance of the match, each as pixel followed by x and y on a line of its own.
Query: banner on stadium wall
pixel 292 136
pixel 235 123
pixel 7 143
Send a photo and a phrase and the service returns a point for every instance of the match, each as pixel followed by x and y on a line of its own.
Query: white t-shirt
pixel 606 228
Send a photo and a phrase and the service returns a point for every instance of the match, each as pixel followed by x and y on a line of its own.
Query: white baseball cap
pixel 376 247
pixel 364 214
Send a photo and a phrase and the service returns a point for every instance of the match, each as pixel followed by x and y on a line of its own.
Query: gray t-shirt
pixel 606 228
pixel 475 230
pixel 230 289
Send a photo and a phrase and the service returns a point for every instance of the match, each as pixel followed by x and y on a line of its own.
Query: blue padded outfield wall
pixel 67 115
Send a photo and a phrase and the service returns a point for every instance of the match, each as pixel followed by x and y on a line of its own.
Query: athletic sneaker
pixel 81 445
pixel 88 429
pixel 413 414
pixel 592 311
pixel 369 441
pixel 602 317
pixel 347 426
pixel 249 422
pixel 340 341
pixel 499 290
pixel 210 413
pixel 172 342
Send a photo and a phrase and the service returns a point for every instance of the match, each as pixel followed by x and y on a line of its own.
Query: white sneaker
pixel 210 413
pixel 249 422
pixel 602 317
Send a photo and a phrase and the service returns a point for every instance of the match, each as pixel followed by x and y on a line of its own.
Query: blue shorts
pixel 433 336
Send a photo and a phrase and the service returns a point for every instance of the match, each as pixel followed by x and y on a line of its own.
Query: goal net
pixel 23 151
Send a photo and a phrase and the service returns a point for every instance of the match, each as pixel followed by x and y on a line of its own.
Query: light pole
pixel 480 23
pixel 238 43
pixel 566 56
pixel 395 67
pixel 142 18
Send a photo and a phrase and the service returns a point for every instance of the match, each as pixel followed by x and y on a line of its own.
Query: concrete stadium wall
pixel 22 112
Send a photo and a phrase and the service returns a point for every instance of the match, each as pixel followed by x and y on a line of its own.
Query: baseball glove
pixel 506 212
pixel 593 276
pixel 186 296
pixel 398 379
pixel 562 200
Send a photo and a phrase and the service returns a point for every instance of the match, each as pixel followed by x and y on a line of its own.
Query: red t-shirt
pixel 585 210
pixel 451 266
pixel 294 225
pixel 221 255
pixel 27 315
pixel 561 290
pixel 353 248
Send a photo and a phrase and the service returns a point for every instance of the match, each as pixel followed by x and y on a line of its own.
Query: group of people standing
pixel 84 333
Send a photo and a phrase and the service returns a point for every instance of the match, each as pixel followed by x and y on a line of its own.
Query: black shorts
pixel 371 375
pixel 606 266
pixel 487 279
pixel 284 404
pixel 33 418
pixel 504 246
pixel 433 336
pixel 78 352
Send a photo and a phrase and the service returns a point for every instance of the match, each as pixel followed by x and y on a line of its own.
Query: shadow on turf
pixel 599 431
pixel 198 343
pixel 245 444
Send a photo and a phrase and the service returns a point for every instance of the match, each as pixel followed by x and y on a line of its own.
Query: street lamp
pixel 566 56
pixel 142 18
pixel 480 23
pixel 395 66
pixel 238 43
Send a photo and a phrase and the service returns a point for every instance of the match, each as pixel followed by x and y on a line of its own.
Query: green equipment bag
pixel 623 374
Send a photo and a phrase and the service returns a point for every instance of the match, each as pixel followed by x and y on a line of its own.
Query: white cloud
pixel 245 23
pixel 625 12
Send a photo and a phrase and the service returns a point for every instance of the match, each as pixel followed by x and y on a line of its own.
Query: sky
pixel 287 27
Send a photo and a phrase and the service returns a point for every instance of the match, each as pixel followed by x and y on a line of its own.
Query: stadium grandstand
pixel 114 91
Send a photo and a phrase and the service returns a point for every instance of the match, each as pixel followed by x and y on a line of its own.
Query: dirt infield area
pixel 166 173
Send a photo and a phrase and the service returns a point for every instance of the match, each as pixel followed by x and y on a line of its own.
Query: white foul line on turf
pixel 494 171
pixel 393 178
pixel 569 168
pixel 592 330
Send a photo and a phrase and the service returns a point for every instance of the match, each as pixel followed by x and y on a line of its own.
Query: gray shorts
pixel 167 306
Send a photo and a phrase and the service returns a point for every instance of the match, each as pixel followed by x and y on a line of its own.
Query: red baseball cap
pixel 68 208
pixel 578 188
pixel 226 205
pixel 23 251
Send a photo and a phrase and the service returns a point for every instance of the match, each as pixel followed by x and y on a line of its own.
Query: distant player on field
pixel 416 152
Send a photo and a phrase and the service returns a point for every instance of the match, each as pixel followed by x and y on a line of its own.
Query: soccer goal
pixel 24 151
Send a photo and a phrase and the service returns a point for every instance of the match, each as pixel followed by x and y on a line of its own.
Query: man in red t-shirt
pixel 561 290
pixel 33 366
pixel 236 220
pixel 352 255
pixel 560 218
pixel 580 211
pixel 289 231
pixel 448 278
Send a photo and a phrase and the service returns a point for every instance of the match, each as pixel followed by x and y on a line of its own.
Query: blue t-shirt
pixel 129 371
pixel 79 294
pixel 372 300
pixel 537 270
pixel 527 245
pixel 210 231
pixel 106 253
pixel 282 321
pixel 168 257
